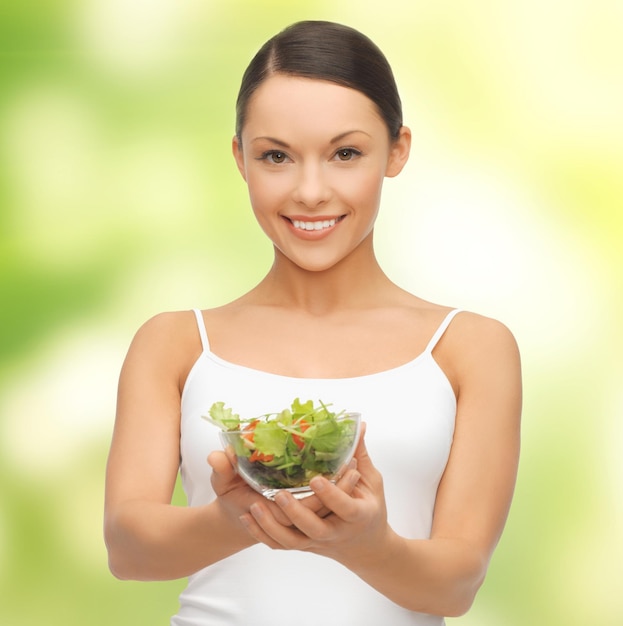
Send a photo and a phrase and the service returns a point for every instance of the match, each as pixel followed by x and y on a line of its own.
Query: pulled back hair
pixel 325 51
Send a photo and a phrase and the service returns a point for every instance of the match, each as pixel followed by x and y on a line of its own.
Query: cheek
pixel 364 188
pixel 263 193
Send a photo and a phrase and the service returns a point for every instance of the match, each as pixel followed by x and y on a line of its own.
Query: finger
pixel 268 530
pixel 231 455
pixel 221 465
pixel 348 479
pixel 255 531
pixel 222 461
pixel 344 505
pixel 310 525
pixel 225 479
pixel 224 475
pixel 347 483
pixel 361 452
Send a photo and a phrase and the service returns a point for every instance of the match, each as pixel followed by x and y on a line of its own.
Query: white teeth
pixel 319 225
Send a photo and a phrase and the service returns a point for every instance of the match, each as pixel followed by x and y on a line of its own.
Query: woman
pixel 406 535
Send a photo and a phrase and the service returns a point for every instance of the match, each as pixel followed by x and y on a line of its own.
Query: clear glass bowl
pixel 321 449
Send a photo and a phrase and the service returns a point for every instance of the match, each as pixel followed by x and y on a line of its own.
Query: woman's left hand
pixel 356 522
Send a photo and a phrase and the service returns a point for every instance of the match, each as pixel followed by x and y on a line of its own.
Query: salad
pixel 285 450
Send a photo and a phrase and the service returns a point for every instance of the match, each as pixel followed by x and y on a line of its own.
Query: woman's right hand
pixel 236 496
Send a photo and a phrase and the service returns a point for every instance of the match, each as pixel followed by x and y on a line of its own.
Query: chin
pixel 319 266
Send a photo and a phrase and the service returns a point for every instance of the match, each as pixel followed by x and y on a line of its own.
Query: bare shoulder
pixel 476 347
pixel 472 331
pixel 171 329
pixel 168 323
pixel 167 341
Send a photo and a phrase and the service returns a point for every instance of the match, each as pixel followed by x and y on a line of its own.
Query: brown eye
pixel 276 157
pixel 346 154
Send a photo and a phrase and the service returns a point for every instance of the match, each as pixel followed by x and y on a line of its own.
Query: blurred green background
pixel 119 198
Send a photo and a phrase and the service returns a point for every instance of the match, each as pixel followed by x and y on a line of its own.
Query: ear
pixel 399 152
pixel 238 155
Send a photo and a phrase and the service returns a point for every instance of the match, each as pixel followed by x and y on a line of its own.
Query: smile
pixel 316 225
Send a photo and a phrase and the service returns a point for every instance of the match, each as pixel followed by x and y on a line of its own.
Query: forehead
pixel 292 103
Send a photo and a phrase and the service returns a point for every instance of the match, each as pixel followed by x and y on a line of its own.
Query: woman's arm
pixel 440 575
pixel 148 538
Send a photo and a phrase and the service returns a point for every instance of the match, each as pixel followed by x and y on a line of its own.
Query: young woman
pixel 405 537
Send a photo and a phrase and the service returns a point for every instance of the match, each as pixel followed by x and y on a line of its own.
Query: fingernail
pixel 282 499
pixel 317 483
pixel 353 478
pixel 244 520
pixel 256 510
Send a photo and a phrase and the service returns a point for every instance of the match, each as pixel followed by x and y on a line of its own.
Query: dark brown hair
pixel 325 51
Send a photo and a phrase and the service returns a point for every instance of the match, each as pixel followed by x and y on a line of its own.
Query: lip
pixel 328 222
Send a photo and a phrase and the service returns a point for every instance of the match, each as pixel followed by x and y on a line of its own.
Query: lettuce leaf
pixel 223 417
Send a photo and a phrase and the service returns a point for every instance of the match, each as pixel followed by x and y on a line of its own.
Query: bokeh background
pixel 119 199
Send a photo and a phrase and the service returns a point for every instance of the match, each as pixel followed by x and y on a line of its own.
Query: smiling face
pixel 314 155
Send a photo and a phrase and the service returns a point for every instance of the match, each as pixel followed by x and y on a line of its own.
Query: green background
pixel 119 198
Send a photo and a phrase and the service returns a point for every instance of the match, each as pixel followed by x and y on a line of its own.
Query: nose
pixel 312 185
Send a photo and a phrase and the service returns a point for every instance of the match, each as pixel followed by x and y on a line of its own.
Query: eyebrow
pixel 335 139
pixel 348 132
pixel 283 144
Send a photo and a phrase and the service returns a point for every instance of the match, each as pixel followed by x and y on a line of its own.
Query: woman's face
pixel 314 155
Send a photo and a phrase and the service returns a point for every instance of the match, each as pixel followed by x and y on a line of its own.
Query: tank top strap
pixel 203 333
pixel 441 330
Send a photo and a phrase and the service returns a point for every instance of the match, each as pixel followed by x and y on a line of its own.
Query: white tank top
pixel 410 414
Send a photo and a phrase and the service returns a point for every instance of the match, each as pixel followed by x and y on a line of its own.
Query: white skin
pixel 313 152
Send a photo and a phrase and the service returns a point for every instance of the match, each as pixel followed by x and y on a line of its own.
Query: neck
pixel 354 282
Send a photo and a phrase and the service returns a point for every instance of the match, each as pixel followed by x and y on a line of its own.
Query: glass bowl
pixel 300 451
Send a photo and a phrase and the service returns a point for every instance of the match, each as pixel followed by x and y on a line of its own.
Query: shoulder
pixel 478 348
pixel 168 328
pixel 167 343
pixel 475 334
pixel 465 331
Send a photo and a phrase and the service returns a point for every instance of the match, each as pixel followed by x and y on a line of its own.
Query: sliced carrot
pixel 248 433
pixel 260 456
pixel 298 440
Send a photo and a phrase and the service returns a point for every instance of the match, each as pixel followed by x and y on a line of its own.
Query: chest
pixel 320 348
